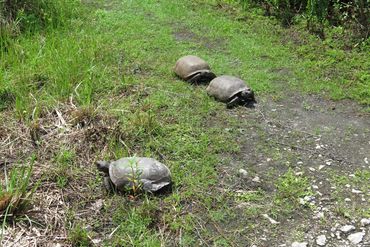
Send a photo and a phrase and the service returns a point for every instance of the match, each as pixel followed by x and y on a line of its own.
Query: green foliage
pixel 7 98
pixel 15 193
pixel 291 187
pixel 18 16
pixel 79 236
pixel 30 14
pixel 353 14
pixel 64 167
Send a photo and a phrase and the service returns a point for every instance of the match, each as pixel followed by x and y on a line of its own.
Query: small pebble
pixel 365 222
pixel 347 228
pixel 298 244
pixel 356 238
pixel 354 191
pixel 321 240
pixel 256 179
pixel 347 200
pixel 243 173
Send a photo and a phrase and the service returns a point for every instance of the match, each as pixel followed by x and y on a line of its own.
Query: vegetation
pixel 28 16
pixel 98 85
pixel 321 16
pixel 15 191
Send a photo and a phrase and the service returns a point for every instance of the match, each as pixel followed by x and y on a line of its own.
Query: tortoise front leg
pixel 108 184
pixel 234 102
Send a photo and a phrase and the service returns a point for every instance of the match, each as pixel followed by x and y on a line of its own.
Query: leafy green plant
pixel 135 185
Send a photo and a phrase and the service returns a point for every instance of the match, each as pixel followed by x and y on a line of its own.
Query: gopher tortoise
pixel 193 69
pixel 231 90
pixel 119 174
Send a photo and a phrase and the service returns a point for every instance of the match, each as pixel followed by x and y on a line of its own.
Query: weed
pixel 15 194
pixel 290 188
pixel 64 167
pixel 78 236
pixel 134 177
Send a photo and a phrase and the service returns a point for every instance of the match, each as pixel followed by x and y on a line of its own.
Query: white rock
pixel 243 173
pixel 256 179
pixel 354 191
pixel 312 169
pixel 320 215
pixel 96 241
pixel 321 240
pixel 321 166
pixel 348 185
pixel 365 222
pixel 347 228
pixel 297 244
pixel 366 161
pixel 272 221
pixel 356 238
pixel 347 200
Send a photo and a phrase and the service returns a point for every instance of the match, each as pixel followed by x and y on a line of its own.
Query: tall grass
pixel 40 61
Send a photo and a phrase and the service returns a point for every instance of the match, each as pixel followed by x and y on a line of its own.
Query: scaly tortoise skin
pixel 193 69
pixel 231 90
pixel 118 174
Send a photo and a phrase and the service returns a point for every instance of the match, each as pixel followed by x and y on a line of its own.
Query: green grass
pixel 117 60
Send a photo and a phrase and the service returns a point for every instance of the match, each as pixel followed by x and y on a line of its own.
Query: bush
pixel 17 16
pixel 351 14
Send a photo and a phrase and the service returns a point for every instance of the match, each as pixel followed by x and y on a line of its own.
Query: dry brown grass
pixel 86 132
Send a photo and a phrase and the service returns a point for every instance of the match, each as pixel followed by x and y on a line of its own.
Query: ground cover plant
pixel 101 87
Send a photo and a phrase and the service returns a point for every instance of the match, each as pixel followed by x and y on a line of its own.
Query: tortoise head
pixel 103 166
pixel 248 95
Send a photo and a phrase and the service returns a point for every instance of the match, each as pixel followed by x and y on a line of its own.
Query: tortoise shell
pixel 225 88
pixel 193 69
pixel 153 174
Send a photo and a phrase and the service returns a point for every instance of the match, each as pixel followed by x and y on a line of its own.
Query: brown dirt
pixel 182 33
